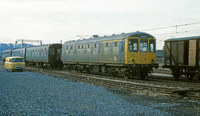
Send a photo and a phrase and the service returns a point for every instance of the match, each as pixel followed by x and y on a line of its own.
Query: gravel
pixel 28 93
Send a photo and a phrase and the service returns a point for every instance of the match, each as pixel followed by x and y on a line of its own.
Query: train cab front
pixel 140 52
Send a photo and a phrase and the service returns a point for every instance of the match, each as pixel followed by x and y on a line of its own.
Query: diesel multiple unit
pixel 127 55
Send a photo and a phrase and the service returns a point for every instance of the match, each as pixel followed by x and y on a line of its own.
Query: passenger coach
pixel 44 56
pixel 127 55
pixel 6 53
pixel 19 52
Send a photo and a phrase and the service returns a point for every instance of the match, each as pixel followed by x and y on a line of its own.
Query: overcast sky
pixel 55 20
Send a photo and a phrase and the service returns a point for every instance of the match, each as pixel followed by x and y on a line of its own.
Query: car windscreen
pixel 17 60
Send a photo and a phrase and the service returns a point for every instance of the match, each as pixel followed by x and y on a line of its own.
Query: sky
pixel 54 20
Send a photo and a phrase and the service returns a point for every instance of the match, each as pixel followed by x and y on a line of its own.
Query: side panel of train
pixel 6 53
pixel 98 52
pixel 182 56
pixel 19 52
pixel 44 56
pixel 123 55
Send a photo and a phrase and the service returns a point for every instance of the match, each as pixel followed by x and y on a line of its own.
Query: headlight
pixel 152 60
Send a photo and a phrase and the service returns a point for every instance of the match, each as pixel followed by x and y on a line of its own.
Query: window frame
pixel 144 45
pixel 133 41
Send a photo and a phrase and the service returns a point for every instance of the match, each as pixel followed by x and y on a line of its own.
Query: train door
pixel 131 50
pixel 52 56
pixel 59 62
pixel 59 51
pixel 100 52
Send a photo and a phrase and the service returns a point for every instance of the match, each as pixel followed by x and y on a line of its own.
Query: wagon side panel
pixel 192 53
pixel 167 53
pixel 180 52
pixel 174 53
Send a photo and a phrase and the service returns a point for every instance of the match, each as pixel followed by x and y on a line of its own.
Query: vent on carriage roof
pixel 95 36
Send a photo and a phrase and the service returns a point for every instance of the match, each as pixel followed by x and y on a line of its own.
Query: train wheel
pixel 143 75
pixel 190 76
pixel 176 73
pixel 88 70
pixel 114 73
pixel 126 77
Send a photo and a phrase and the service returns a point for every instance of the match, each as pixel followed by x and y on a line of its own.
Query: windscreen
pixel 133 45
pixel 152 46
pixel 17 60
pixel 143 45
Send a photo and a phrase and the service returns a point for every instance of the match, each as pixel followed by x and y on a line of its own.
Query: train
pixel 182 56
pixel 41 56
pixel 127 54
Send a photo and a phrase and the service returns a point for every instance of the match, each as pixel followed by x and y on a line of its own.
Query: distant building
pixel 160 54
pixel 160 57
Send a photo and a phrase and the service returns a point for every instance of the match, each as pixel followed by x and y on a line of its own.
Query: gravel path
pixel 27 93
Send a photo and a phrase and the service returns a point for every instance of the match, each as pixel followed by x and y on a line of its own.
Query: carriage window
pixel 133 45
pixel 106 44
pixel 95 45
pixel 143 45
pixel 115 44
pixel 152 46
pixel 52 51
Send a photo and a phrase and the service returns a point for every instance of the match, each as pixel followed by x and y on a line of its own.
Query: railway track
pixel 149 87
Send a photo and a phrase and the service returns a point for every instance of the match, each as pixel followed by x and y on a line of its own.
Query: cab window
pixel 133 45
pixel 143 45
pixel 17 60
pixel 152 46
pixel 52 51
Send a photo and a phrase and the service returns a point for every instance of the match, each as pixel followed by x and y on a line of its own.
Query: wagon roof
pixel 13 57
pixel 7 50
pixel 183 38
pixel 44 46
pixel 18 49
pixel 112 37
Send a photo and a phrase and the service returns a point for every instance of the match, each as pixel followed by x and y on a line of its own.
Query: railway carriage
pixel 182 56
pixel 6 53
pixel 127 55
pixel 19 52
pixel 44 56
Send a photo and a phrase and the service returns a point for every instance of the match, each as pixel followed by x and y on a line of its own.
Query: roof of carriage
pixel 183 38
pixel 112 37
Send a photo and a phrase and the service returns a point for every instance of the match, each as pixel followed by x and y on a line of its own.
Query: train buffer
pixel 184 92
